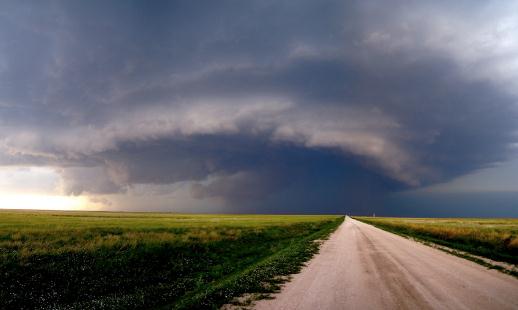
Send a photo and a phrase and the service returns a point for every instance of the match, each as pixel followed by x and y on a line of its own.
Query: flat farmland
pixel 106 260
pixel 496 239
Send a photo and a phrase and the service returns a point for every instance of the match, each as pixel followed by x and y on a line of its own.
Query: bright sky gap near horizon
pixel 385 107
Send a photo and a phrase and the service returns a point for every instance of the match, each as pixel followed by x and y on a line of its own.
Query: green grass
pixel 104 260
pixel 496 239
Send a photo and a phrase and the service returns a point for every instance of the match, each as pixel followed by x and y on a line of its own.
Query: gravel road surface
pixel 363 267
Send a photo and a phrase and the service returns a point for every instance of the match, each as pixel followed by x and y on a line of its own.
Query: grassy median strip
pixel 496 239
pixel 79 260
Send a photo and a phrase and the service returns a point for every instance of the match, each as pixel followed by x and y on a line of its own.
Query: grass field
pixel 496 239
pixel 98 260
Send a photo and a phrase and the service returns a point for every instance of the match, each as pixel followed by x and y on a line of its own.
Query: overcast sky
pixel 262 106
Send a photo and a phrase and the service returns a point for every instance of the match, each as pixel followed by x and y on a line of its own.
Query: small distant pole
pixel 374 214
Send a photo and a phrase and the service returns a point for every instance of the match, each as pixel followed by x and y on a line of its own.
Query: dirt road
pixel 362 267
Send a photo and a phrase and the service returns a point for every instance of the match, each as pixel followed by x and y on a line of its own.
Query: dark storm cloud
pixel 262 104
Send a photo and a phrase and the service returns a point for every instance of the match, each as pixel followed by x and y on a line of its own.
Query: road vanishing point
pixel 363 267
